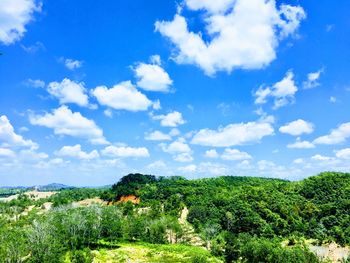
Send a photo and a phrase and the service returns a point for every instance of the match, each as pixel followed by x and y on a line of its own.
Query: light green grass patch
pixel 144 252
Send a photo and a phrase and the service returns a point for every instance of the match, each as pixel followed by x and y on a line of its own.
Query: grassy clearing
pixel 144 252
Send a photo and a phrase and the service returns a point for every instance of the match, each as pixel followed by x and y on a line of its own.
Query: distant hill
pixel 48 187
pixel 53 187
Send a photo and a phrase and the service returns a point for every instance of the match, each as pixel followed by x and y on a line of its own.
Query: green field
pixel 144 252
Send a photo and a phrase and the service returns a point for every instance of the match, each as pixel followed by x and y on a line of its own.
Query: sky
pixel 93 90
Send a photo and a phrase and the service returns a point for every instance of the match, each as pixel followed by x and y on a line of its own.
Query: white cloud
pixel 8 137
pixel 76 152
pixel 333 99
pixel 155 59
pixel 23 129
pixel 265 165
pixel 124 151
pixel 238 38
pixel 34 48
pixel 174 132
pixel 6 153
pixel 56 161
pixel 66 122
pixel 108 113
pixel 298 161
pixel 235 155
pixel 152 77
pixel 35 83
pixel 283 92
pixel 157 136
pixel 14 16
pixel 71 64
pixel 157 165
pixel 191 168
pixel 172 119
pixel 233 134
pixel 183 157
pixel 209 5
pixel 156 105
pixel 297 127
pixel 212 168
pixel 312 80
pixel 212 153
pixel 301 145
pixel 343 153
pixel 68 91
pixel 178 146
pixel 319 157
pixel 123 96
pixel 338 135
pixel 32 155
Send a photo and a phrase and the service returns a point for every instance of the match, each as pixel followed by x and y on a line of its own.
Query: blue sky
pixel 91 91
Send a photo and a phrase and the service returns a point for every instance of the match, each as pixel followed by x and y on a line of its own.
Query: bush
pixel 81 256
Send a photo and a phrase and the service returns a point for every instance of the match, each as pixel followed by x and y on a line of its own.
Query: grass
pixel 144 252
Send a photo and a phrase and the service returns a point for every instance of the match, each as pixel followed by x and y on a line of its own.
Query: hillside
pixel 234 219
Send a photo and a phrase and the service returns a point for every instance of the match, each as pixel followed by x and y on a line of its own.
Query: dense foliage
pixel 223 208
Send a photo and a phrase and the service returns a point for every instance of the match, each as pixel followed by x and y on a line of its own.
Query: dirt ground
pixel 35 195
pixel 333 252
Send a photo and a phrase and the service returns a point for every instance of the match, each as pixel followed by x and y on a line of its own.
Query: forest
pixel 222 219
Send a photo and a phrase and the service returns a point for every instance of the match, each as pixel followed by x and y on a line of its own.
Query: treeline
pixel 222 209
pixel 72 232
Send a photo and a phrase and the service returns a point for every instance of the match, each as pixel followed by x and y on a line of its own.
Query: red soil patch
pixel 129 198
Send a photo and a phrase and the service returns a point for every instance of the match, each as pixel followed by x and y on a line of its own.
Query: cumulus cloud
pixel 237 37
pixel 343 153
pixel 71 64
pixel 233 134
pixel 68 91
pixel 174 132
pixel 319 157
pixel 212 168
pixel 297 127
pixel 235 155
pixel 76 152
pixel 124 151
pixel 205 168
pixel 14 16
pixel 9 138
pixel 152 77
pixel 157 165
pixel 123 96
pixel 191 168
pixel 282 92
pixel 212 153
pixel 35 83
pixel 266 165
pixel 108 113
pixel 156 105
pixel 34 48
pixel 172 119
pixel 332 99
pixel 178 146
pixel 4 152
pixel 298 161
pixel 338 135
pixel 157 136
pixel 65 122
pixel 312 80
pixel 183 157
pixel 301 145
pixel 32 155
